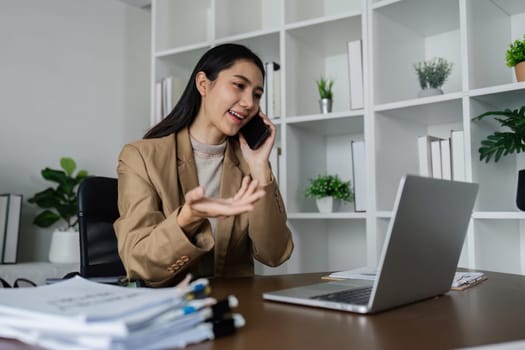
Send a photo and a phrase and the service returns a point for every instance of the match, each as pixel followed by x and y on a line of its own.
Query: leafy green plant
pixel 59 203
pixel 501 143
pixel 433 73
pixel 329 185
pixel 325 88
pixel 516 52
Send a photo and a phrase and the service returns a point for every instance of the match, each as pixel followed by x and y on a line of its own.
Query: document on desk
pixel 81 314
pixel 462 279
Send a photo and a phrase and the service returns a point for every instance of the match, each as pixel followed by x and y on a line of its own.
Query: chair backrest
pixel 97 211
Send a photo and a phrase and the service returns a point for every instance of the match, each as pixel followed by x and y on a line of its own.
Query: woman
pixel 193 197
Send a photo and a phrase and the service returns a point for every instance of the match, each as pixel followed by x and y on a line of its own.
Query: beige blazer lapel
pixel 185 163
pixel 230 183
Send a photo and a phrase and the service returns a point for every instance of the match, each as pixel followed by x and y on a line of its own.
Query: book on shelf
pixel 435 158
pixel 457 150
pixel 166 96
pixel 442 158
pixel 4 206
pixel 80 314
pixel 359 172
pixel 12 227
pixel 355 70
pixel 425 154
pixel 272 90
pixel 167 93
pixel 446 166
pixel 157 113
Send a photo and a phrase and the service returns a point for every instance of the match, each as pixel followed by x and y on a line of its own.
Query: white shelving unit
pixel 309 39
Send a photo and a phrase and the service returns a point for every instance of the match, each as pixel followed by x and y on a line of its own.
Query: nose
pixel 247 99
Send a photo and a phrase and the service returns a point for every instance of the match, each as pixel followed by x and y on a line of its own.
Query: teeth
pixel 237 115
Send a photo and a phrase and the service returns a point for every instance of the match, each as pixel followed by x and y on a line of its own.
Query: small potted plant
pixel 502 143
pixel 516 58
pixel 432 74
pixel 60 204
pixel 329 190
pixel 324 86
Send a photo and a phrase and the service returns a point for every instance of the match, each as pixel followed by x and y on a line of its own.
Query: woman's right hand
pixel 198 207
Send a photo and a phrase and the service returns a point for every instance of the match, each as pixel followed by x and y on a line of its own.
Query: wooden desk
pixel 491 312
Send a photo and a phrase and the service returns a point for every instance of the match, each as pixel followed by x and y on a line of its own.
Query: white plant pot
pixel 430 92
pixel 327 204
pixel 65 247
pixel 325 105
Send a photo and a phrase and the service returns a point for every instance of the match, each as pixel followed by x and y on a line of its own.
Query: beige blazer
pixel 153 176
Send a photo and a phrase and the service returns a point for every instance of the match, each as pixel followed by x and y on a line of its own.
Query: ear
pixel 202 83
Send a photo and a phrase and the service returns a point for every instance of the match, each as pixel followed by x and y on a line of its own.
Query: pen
pixel 209 308
pixel 224 306
pixel 202 332
pixel 223 327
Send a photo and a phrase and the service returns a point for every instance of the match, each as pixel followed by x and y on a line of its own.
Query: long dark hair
pixel 211 63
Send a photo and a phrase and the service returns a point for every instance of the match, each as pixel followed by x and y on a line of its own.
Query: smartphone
pixel 255 132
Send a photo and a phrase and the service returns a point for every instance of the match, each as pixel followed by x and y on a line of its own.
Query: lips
pixel 236 115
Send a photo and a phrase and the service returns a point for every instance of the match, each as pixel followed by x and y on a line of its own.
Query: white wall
pixel 74 77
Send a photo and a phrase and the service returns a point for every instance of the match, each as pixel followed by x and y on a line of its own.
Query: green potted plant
pixel 515 57
pixel 502 143
pixel 324 86
pixel 60 204
pixel 329 190
pixel 432 74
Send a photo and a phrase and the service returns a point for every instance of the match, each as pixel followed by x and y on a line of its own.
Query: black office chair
pixel 97 211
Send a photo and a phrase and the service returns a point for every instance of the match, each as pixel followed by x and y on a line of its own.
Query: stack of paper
pixel 80 314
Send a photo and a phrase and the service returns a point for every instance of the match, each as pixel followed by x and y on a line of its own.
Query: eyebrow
pixel 242 77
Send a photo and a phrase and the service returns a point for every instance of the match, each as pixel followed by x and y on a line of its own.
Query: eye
pixel 257 95
pixel 239 86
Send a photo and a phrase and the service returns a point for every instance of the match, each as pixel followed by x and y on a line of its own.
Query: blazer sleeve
pixel 151 244
pixel 271 238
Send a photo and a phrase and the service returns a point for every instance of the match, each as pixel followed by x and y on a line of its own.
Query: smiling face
pixel 228 102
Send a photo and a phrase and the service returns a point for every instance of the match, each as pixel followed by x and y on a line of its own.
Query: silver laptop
pixel 420 253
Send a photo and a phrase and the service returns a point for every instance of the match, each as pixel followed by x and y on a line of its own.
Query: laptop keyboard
pixel 358 296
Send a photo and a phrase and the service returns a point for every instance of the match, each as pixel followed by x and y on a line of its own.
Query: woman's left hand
pixel 258 159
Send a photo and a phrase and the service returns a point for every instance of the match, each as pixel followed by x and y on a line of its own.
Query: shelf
pixel 306 10
pixel 329 216
pixel 492 25
pixel 309 39
pixel 231 16
pixel 317 51
pixel 502 96
pixel 249 37
pixel 173 18
pixel 179 64
pixel 330 124
pixel 396 137
pixel 321 20
pixel 499 245
pixel 408 32
pixel 500 215
pixel 421 101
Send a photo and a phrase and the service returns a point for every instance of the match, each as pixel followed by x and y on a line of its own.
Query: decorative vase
pixel 430 92
pixel 520 193
pixel 327 204
pixel 65 247
pixel 519 69
pixel 325 104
